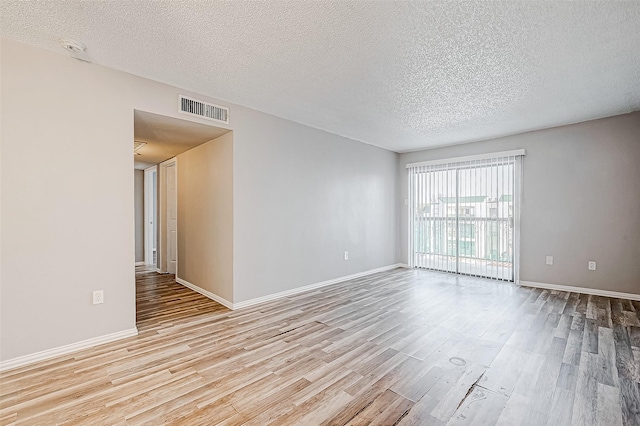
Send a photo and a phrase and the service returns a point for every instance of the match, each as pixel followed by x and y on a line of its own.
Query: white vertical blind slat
pixel 421 210
pixel 512 209
pixel 411 248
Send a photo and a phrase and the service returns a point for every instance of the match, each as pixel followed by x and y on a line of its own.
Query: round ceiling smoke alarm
pixel 73 46
pixel 76 49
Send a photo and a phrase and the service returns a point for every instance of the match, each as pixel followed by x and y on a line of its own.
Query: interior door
pixel 172 218
pixel 150 200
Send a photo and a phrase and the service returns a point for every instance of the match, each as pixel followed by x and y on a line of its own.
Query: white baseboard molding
pixel 583 290
pixel 206 293
pixel 403 265
pixel 140 263
pixel 274 296
pixel 66 349
pixel 297 290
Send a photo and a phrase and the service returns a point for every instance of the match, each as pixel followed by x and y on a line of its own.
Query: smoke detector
pixel 73 46
pixel 76 49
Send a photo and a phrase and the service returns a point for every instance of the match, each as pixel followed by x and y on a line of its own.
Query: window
pixel 467 230
pixel 479 234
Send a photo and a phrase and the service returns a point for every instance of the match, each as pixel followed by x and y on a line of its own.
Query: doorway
pixel 158 140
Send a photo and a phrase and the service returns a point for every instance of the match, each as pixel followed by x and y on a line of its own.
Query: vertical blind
pixel 464 215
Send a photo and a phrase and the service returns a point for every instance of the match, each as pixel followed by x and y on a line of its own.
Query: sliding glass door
pixel 464 215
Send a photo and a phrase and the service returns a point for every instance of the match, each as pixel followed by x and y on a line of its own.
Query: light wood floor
pixel 403 347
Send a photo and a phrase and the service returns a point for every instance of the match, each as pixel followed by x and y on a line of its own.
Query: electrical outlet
pixel 346 255
pixel 592 265
pixel 98 297
pixel 549 260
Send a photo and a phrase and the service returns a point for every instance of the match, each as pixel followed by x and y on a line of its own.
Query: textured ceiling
pixel 400 75
pixel 166 137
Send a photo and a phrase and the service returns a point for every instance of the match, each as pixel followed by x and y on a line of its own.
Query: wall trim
pixel 206 293
pixel 140 263
pixel 297 290
pixel 583 290
pixel 66 349
pixel 280 295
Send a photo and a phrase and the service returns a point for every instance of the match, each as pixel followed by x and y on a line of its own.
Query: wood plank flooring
pixel 404 347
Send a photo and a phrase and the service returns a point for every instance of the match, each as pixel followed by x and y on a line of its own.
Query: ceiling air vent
pixel 203 109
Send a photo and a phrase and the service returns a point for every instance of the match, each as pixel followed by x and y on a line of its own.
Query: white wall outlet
pixel 98 297
pixel 346 255
pixel 592 265
pixel 549 260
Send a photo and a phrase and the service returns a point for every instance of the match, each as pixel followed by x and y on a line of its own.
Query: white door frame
pixel 150 202
pixel 163 223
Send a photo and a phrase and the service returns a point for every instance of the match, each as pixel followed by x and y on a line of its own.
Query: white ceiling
pixel 400 75
pixel 166 137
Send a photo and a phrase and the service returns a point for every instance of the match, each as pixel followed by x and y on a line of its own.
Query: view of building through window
pixel 463 219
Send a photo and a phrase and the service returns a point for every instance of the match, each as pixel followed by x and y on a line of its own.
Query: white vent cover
pixel 202 109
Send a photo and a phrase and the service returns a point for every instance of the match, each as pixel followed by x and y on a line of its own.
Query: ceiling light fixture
pixel 137 145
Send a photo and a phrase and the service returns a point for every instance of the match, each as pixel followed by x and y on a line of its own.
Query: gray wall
pixel 581 201
pixel 74 215
pixel 302 198
pixel 138 207
pixel 205 216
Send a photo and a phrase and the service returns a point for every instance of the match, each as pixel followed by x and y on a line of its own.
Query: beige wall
pixel 205 216
pixel 138 206
pixel 581 201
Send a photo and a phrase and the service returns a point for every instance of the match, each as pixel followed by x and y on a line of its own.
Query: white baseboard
pixel 274 296
pixel 66 349
pixel 206 293
pixel 140 263
pixel 403 265
pixel 297 290
pixel 583 290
